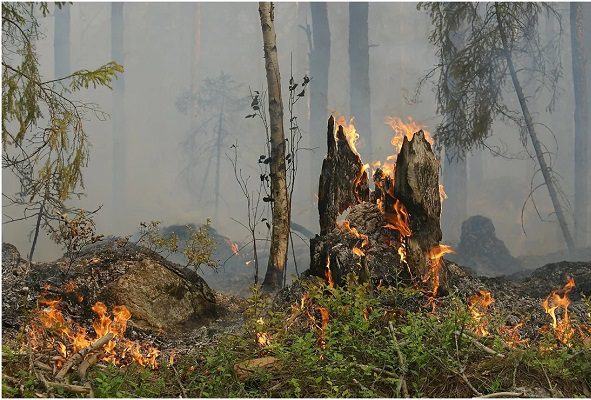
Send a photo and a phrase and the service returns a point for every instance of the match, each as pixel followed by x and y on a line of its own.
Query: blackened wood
pixel 416 185
pixel 343 182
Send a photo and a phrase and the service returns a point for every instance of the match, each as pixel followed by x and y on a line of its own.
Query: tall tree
pixel 118 117
pixel 359 92
pixel 582 176
pixel 61 40
pixel 280 229
pixel 319 64
pixel 500 35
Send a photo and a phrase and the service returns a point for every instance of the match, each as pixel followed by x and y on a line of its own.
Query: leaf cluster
pixel 472 70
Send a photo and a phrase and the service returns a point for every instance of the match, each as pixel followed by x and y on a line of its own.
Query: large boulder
pixel 162 296
pixel 481 250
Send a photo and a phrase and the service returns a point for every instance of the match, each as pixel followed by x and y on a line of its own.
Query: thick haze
pixel 158 43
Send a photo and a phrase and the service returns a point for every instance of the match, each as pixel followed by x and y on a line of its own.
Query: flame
pixel 435 255
pixel 442 194
pixel 345 227
pixel 478 304
pixel 328 273
pixel 233 247
pixel 559 298
pixel 51 322
pixel 70 287
pixel 399 220
pixel 325 318
pixel 402 130
pixel 350 132
pixel 511 334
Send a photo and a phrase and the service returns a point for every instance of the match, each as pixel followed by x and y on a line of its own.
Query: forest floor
pixel 314 340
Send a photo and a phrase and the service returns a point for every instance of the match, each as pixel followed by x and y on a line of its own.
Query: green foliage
pixel 45 144
pixel 198 248
pixel 472 69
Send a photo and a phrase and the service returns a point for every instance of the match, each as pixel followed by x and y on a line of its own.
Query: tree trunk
pixel 217 161
pixel 579 61
pixel 455 171
pixel 280 230
pixel 319 64
pixel 534 138
pixel 359 71
pixel 455 179
pixel 118 118
pixel 61 41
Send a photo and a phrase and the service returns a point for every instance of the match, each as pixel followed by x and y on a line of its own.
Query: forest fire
pixel 118 351
pixel 559 299
pixel 478 305
pixel 233 247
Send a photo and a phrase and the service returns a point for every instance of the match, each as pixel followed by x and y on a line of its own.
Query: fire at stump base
pixel 391 233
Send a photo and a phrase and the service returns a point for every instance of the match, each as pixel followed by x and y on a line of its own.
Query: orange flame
pixel 233 247
pixel 559 299
pixel 399 220
pixel 511 334
pixel 350 132
pixel 402 130
pixel 53 321
pixel 328 273
pixel 478 303
pixel 435 255
pixel 345 227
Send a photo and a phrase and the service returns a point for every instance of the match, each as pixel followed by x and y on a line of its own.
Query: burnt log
pixel 343 181
pixel 416 185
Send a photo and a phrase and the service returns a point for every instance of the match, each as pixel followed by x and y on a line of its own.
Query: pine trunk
pixel 280 230
pixel 359 71
pixel 319 64
pixel 579 62
pixel 533 135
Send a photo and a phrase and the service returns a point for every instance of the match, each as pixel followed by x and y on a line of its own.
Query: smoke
pixel 159 43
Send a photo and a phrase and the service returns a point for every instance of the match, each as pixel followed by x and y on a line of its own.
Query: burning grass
pixel 354 341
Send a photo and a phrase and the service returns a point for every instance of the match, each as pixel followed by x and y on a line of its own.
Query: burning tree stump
pixel 416 185
pixel 391 233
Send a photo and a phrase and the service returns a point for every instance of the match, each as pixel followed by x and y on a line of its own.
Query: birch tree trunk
pixel 280 230
pixel 579 61
pixel 533 135
pixel 359 71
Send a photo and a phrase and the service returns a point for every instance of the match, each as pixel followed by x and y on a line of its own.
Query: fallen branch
pixel 480 345
pixel 71 388
pixel 502 394
pixel 85 364
pixel 178 380
pixel 42 366
pixel 80 355
pixel 465 378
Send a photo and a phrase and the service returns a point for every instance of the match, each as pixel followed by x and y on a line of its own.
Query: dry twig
pixel 480 345
pixel 80 355
pixel 502 394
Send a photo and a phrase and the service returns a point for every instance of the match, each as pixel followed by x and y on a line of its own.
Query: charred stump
pixel 390 234
pixel 343 181
pixel 416 185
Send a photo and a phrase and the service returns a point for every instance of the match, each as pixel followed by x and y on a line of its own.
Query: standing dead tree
pixel 280 228
pixel 481 71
